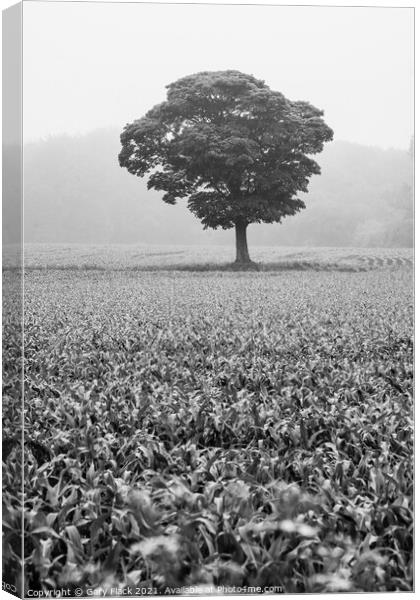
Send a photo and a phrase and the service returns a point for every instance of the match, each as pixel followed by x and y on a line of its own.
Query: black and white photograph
pixel 208 303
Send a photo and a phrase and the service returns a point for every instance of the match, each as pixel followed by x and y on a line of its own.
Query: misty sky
pixel 90 65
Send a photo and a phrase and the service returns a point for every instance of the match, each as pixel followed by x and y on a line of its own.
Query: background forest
pixel 75 191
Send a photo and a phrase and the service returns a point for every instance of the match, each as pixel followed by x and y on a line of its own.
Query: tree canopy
pixel 238 151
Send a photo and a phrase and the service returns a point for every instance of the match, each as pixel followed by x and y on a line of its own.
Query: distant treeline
pixel 75 191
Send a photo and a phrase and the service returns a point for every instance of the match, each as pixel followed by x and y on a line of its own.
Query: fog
pixel 91 65
pixel 89 68
pixel 75 191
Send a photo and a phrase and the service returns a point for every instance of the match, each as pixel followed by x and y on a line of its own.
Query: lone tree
pixel 236 149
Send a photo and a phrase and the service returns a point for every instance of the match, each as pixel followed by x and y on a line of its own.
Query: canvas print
pixel 207 299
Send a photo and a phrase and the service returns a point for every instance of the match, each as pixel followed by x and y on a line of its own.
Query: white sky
pixel 90 65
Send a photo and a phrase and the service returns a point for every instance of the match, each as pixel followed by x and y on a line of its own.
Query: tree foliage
pixel 238 151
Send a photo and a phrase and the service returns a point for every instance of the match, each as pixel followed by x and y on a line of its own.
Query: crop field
pixel 139 257
pixel 191 428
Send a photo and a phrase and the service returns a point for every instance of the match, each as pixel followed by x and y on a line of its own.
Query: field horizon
pixel 150 257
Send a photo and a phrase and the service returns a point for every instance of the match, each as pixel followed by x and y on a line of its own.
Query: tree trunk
pixel 242 255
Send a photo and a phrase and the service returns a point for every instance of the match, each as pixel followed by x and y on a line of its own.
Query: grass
pixel 209 427
pixel 152 258
pixel 204 267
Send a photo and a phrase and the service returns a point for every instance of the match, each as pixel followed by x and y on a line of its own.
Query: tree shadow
pixel 277 266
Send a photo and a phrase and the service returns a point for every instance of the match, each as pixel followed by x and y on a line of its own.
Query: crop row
pixel 245 429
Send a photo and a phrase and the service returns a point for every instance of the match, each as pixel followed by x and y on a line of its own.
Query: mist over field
pixel 75 192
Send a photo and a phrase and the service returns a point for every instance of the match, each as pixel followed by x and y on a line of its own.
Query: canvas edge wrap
pixel 12 296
